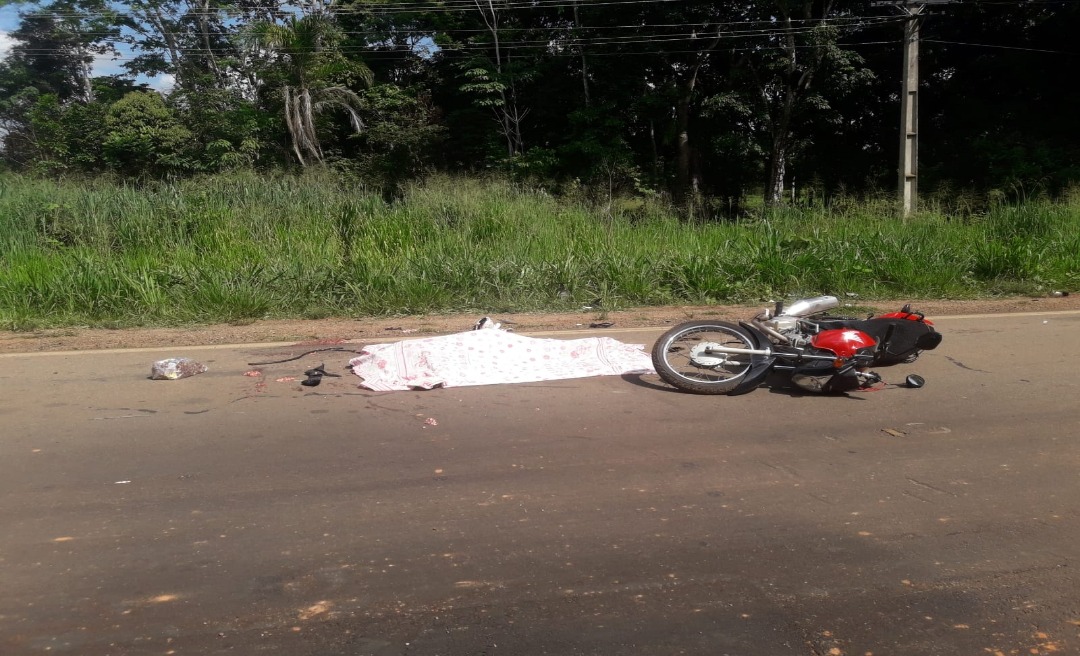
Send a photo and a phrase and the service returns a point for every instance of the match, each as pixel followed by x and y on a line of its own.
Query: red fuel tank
pixel 844 342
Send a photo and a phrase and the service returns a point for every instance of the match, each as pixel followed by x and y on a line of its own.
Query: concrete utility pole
pixel 909 114
pixel 909 101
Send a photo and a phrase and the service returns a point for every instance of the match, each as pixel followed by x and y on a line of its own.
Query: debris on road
pixel 893 432
pixel 486 323
pixel 305 353
pixel 315 376
pixel 174 368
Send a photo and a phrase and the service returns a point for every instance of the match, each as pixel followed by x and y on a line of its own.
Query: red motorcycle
pixel 820 353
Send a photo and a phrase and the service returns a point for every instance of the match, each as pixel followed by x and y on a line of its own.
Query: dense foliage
pixel 246 245
pixel 702 102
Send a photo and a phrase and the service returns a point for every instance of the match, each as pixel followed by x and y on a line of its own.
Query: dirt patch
pixel 332 331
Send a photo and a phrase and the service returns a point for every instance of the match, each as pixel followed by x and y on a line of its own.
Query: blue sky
pixel 9 20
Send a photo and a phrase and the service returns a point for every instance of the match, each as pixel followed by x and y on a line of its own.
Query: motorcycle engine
pixel 795 330
pixel 823 376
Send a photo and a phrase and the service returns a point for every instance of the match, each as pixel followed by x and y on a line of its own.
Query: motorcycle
pixel 820 353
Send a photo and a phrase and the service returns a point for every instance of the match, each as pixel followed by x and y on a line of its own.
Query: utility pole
pixel 909 101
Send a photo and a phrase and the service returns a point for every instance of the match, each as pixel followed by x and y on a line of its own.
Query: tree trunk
pixel 682 113
pixel 792 88
pixel 86 73
pixel 774 190
pixel 491 19
pixel 584 62
pixel 682 171
pixel 655 152
pixel 204 33
pixel 508 115
pixel 158 20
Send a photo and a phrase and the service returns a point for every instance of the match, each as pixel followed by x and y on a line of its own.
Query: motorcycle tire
pixel 708 373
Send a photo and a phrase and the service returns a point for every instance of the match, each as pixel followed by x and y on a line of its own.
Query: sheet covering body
pixel 489 357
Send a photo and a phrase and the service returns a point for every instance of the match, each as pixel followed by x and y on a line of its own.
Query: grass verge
pixel 242 247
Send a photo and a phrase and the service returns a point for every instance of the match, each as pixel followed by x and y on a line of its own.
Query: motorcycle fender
pixel 760 366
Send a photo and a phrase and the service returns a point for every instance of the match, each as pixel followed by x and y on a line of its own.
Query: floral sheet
pixel 489 357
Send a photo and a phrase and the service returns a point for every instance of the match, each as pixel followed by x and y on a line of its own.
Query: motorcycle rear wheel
pixel 709 373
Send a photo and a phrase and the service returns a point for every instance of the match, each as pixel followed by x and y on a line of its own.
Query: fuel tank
pixel 844 342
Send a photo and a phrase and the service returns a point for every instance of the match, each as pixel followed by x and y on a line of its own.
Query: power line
pixel 990 45
pixel 456 6
pixel 448 6
pixel 563 40
pixel 452 6
pixel 529 43
pixel 453 53
pixel 704 25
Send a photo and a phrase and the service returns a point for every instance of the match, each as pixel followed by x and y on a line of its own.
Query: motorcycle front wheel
pixel 686 357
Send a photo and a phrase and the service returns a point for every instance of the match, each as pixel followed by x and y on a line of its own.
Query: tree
pixel 145 138
pixel 310 63
pixel 784 70
pixel 47 73
pixel 187 39
pixel 997 102
pixel 497 88
pixel 57 44
pixel 400 136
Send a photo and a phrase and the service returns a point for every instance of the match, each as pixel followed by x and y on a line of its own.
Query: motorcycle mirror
pixel 915 381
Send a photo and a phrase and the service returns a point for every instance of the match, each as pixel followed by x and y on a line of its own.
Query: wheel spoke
pixel 707 365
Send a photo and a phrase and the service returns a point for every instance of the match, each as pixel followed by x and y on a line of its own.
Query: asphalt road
pixel 228 514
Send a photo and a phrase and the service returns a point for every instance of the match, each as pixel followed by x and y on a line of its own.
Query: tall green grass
pixel 242 246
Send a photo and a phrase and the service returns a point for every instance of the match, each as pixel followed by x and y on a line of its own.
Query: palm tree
pixel 307 47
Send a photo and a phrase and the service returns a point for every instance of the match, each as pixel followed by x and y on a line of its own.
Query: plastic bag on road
pixel 174 368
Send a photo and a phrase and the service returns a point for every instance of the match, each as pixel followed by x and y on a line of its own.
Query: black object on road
pixel 315 376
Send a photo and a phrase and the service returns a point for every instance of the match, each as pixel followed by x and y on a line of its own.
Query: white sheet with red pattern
pixel 490 357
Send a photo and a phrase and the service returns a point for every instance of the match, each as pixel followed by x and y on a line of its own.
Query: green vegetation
pixel 718 103
pixel 240 246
